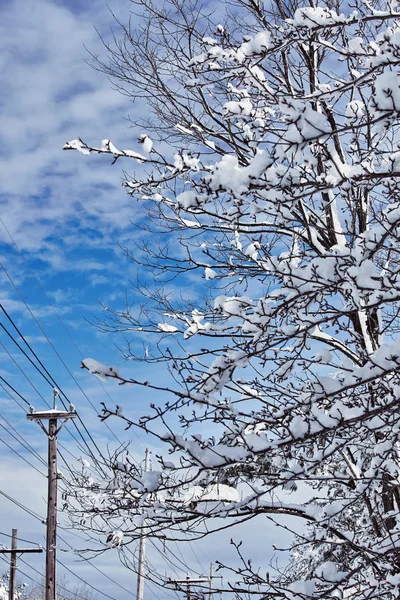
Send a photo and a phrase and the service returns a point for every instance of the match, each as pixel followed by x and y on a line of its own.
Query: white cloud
pixel 49 96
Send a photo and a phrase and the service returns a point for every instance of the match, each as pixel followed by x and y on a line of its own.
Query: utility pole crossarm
pixel 19 550
pixel 190 580
pixel 50 414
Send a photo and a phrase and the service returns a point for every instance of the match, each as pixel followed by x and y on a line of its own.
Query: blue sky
pixel 61 216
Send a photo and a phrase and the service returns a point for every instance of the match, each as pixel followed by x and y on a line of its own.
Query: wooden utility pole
pixel 142 544
pixel 13 551
pixel 52 417
pixel 13 564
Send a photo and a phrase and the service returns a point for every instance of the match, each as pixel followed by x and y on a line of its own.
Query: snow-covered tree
pixel 3 589
pixel 20 591
pixel 272 161
pixel 66 590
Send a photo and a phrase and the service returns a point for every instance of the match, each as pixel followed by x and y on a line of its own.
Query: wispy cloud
pixel 51 95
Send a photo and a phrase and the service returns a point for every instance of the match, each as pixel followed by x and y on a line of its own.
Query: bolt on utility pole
pixel 13 561
pixel 52 417
pixel 142 544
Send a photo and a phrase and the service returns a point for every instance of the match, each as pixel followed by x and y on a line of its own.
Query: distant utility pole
pixel 13 561
pixel 188 582
pixel 142 544
pixel 191 581
pixel 51 532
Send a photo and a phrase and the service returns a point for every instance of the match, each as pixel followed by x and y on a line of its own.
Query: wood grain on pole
pixel 51 536
pixel 13 565
pixel 51 512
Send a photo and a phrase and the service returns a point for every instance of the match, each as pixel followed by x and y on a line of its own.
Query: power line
pixel 22 408
pixel 83 580
pixel 42 365
pixel 52 381
pixel 196 557
pixel 19 455
pixel 33 274
pixel 157 583
pixel 20 539
pixel 36 516
pixel 49 382
pixel 47 404
pixel 20 505
pixel 22 372
pixel 44 400
pixel 21 349
pixel 95 566
pixel 75 575
pixel 19 570
pixel 15 391
pixel 170 561
pixel 71 532
pixel 36 390
pixel 18 437
pixel 24 444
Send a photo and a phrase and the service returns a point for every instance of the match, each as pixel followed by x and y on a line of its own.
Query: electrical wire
pixel 83 580
pixel 72 532
pixel 196 557
pixel 22 371
pixel 174 565
pixel 15 391
pixel 19 570
pixel 47 380
pixel 94 566
pixel 22 350
pixel 22 507
pixel 75 575
pixel 153 581
pixel 20 455
pixel 47 404
pixel 37 358
pixel 22 408
pixel 30 382
pixel 20 539
pixel 36 516
pixel 26 446
pixel 59 536
pixel 52 381
pixel 181 555
pixel 18 437
pixel 33 274
pixel 42 365
pixel 41 373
